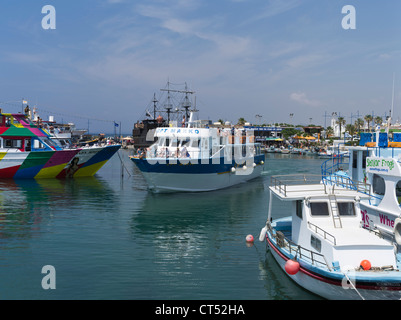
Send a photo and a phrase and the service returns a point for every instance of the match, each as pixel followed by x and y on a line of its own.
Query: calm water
pixel 109 238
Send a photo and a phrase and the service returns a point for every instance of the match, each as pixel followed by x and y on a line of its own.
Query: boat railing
pixel 325 234
pixel 331 176
pixel 314 257
pixel 282 182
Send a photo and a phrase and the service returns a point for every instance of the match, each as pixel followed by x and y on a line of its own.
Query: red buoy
pixel 249 238
pixel 366 265
pixel 292 267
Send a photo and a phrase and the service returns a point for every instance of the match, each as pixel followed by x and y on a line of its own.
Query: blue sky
pixel 106 58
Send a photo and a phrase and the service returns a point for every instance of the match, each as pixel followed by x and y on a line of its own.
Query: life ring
pixel 397 231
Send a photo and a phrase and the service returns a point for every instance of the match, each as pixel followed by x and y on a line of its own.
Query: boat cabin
pixel 203 143
pixel 19 134
pixel 325 220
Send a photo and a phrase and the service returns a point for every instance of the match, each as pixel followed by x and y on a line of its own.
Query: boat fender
pixel 365 265
pixel 244 167
pixel 232 169
pixel 292 266
pixel 397 231
pixel 262 235
pixel 262 162
pixel 254 164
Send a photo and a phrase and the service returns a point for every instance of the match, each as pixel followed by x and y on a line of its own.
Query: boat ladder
pixel 334 211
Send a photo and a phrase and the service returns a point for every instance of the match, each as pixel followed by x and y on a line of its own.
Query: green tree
pixel 358 124
pixel 340 121
pixel 378 120
pixel 241 121
pixel 351 130
pixel 329 132
pixel 368 118
pixel 288 132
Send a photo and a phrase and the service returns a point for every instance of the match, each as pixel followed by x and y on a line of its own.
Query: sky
pixel 266 61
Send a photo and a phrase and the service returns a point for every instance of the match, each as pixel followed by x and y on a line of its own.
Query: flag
pixel 115 124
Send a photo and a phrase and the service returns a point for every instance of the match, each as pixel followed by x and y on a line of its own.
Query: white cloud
pixel 303 99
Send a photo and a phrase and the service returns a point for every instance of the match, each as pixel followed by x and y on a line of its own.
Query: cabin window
pixel 27 144
pixel 8 143
pixel 364 156
pixel 298 205
pixel 174 143
pixel 38 144
pixel 195 143
pixel 398 191
pixel 354 159
pixel 184 142
pixel 316 243
pixel 12 143
pixel 319 208
pixel 346 208
pixel 378 185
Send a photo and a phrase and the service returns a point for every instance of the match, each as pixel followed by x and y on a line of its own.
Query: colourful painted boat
pixel 26 152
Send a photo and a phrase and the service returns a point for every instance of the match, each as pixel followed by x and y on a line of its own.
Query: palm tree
pixel 340 121
pixel 241 121
pixel 351 130
pixel 359 123
pixel 378 120
pixel 329 132
pixel 368 118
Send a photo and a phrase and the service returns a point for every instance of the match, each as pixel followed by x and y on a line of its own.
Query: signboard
pixel 384 166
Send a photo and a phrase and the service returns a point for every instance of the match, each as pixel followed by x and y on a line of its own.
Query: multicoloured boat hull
pixel 88 161
pixel 29 165
pixel 27 152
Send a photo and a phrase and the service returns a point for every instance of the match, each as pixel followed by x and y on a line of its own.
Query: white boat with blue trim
pixel 322 244
pixel 377 162
pixel 198 157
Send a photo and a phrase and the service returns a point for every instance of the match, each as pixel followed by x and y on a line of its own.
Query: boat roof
pixel 298 187
pixel 20 126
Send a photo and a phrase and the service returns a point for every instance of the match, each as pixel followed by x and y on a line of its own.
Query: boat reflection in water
pixel 27 205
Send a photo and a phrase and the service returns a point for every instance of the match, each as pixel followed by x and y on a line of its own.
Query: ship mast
pixel 186 104
pixel 154 105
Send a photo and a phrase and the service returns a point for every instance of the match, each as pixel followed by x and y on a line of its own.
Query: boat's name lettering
pixel 382 163
pixel 173 130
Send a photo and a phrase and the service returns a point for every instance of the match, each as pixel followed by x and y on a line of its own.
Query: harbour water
pixel 108 237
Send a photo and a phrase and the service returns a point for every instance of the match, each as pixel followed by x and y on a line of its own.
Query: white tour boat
pixel 377 164
pixel 197 157
pixel 322 244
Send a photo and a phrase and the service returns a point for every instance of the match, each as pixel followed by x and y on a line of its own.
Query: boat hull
pixel 334 285
pixel 88 161
pixel 39 164
pixel 54 164
pixel 177 176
